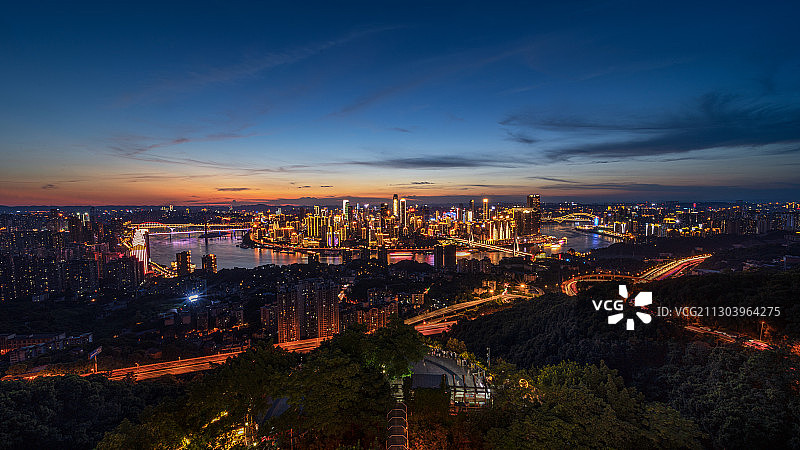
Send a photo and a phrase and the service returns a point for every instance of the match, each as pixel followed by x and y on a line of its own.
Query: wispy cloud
pixel 714 120
pixel 435 162
pixel 726 191
pixel 49 186
pixel 557 180
pixel 247 68
pixel 152 149
pixel 233 189
pixel 416 185
pixel 438 68
pixel 490 186
pixel 522 138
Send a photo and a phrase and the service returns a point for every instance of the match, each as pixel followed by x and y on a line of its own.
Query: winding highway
pixel 189 365
pixel 660 272
pixel 441 313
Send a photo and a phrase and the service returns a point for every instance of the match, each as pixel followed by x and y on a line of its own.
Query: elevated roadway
pixel 660 272
pixel 570 287
pixel 179 367
pixel 430 329
pixel 438 314
pixel 189 365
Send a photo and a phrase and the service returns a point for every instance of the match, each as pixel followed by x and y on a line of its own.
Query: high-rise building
pixel 140 247
pixel 395 206
pixel 7 280
pixel 485 209
pixel 444 257
pixel 383 255
pixel 535 204
pixel 267 313
pixel 528 220
pixel 403 213
pixel 210 263
pixel 316 227
pixel 123 273
pixel 82 277
pixel 77 229
pixel 347 256
pixel 346 210
pixel 308 310
pixel 326 298
pixel 289 317
pixel 184 262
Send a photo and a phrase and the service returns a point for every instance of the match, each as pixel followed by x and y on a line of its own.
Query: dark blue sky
pixel 206 102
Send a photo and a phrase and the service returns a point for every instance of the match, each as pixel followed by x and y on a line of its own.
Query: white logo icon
pixel 641 299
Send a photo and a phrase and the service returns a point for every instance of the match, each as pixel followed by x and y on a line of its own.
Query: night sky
pixel 207 102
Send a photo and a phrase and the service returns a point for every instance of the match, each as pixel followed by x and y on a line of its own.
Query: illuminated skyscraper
pixel 77 229
pixel 485 209
pixel 326 303
pixel 535 204
pixel 403 213
pixel 346 209
pixel 395 206
pixel 308 310
pixel 289 317
pixel 140 247
pixel 528 219
pixel 184 260
pixel 210 263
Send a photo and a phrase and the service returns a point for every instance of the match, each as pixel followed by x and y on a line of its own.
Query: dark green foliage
pixel 740 398
pixel 335 399
pixel 431 405
pixel 554 328
pixel 573 406
pixel 454 345
pixel 70 412
pixel 337 395
pixel 390 350
pixel 567 406
pixel 761 288
pixel 214 406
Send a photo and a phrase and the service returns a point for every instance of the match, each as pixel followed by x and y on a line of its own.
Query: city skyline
pixel 281 104
pixel 399 225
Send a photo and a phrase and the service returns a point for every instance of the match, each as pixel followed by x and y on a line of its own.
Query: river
pixel 163 249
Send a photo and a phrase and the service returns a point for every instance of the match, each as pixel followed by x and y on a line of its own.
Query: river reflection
pixel 164 248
